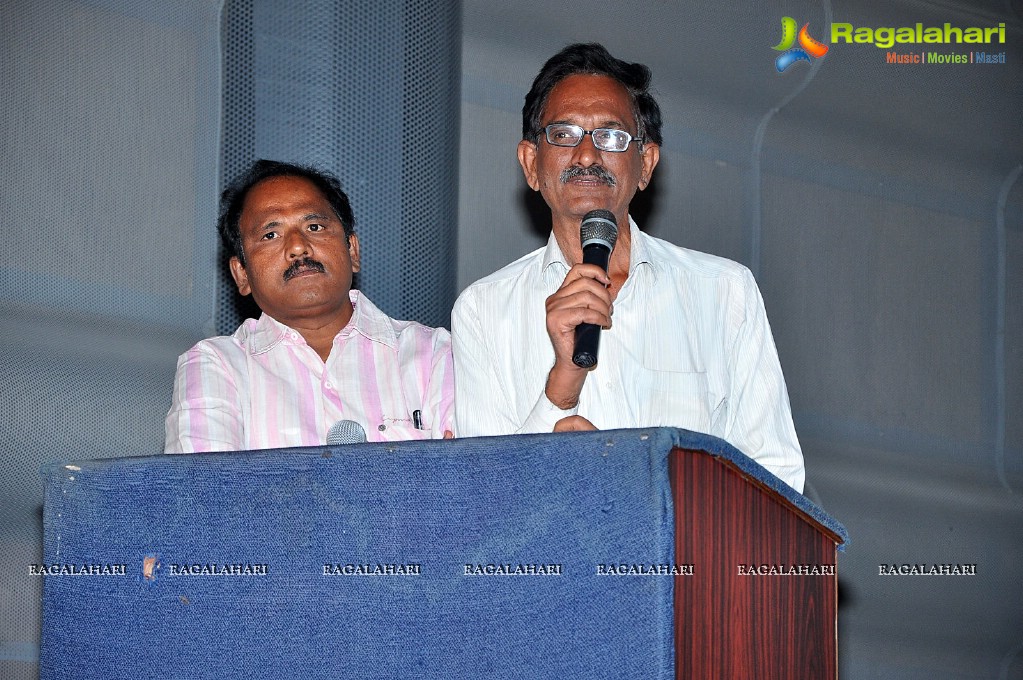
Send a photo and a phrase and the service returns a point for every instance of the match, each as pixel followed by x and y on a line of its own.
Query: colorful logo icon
pixel 808 50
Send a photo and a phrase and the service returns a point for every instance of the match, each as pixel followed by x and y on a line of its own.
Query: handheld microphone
pixel 345 432
pixel 599 231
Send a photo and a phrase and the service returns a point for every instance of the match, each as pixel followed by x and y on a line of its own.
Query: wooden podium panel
pixel 762 599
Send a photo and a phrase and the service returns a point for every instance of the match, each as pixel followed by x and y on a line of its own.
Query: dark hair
pixel 593 59
pixel 232 201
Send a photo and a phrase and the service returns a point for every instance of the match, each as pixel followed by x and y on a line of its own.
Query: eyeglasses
pixel 605 139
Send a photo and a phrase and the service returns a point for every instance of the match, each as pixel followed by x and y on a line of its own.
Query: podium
pixel 630 553
pixel 766 602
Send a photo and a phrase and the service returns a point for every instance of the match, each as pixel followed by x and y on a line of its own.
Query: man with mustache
pixel 686 341
pixel 320 352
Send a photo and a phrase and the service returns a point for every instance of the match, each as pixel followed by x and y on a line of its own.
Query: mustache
pixel 298 265
pixel 597 171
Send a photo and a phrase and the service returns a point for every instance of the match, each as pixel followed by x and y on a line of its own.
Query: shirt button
pixel 329 385
pixel 382 427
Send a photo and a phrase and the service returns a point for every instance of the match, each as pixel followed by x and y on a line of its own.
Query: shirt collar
pixel 639 254
pixel 262 335
pixel 368 321
pixel 552 256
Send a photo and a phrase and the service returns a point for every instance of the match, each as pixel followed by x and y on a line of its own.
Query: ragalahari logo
pixel 808 50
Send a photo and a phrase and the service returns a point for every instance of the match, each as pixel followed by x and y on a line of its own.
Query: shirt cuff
pixel 545 416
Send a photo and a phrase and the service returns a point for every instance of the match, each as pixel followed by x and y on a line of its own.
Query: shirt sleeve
pixel 205 413
pixel 545 415
pixel 440 393
pixel 480 408
pixel 759 420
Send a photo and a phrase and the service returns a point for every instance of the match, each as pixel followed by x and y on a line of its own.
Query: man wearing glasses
pixel 686 342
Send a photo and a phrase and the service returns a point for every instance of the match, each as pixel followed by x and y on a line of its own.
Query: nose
pixel 297 245
pixel 585 153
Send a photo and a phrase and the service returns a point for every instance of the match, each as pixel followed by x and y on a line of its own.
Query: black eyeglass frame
pixel 582 132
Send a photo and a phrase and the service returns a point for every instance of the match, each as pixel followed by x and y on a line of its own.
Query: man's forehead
pixel 589 94
pixel 285 191
pixel 284 185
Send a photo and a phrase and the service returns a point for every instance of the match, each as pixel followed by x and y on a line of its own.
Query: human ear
pixel 651 154
pixel 353 252
pixel 240 276
pixel 527 159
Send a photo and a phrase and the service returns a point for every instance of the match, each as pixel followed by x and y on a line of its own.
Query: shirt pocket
pixel 677 399
pixel 400 430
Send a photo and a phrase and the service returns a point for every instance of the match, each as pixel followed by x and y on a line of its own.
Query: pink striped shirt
pixel 265 388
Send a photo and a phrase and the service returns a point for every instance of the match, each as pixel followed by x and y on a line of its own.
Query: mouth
pixel 302 267
pixel 595 174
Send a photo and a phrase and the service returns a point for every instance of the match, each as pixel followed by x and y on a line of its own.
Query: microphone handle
pixel 587 335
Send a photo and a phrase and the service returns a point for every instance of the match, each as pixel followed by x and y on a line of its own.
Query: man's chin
pixel 579 208
pixel 315 302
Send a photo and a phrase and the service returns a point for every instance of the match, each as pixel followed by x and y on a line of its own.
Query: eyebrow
pixel 616 124
pixel 273 224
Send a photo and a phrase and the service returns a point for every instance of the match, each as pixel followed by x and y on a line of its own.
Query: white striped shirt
pixel 264 387
pixel 690 347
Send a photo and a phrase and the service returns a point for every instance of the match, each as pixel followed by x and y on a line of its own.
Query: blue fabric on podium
pixel 575 501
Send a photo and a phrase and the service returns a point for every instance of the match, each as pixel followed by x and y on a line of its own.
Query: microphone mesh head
pixel 345 432
pixel 599 226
